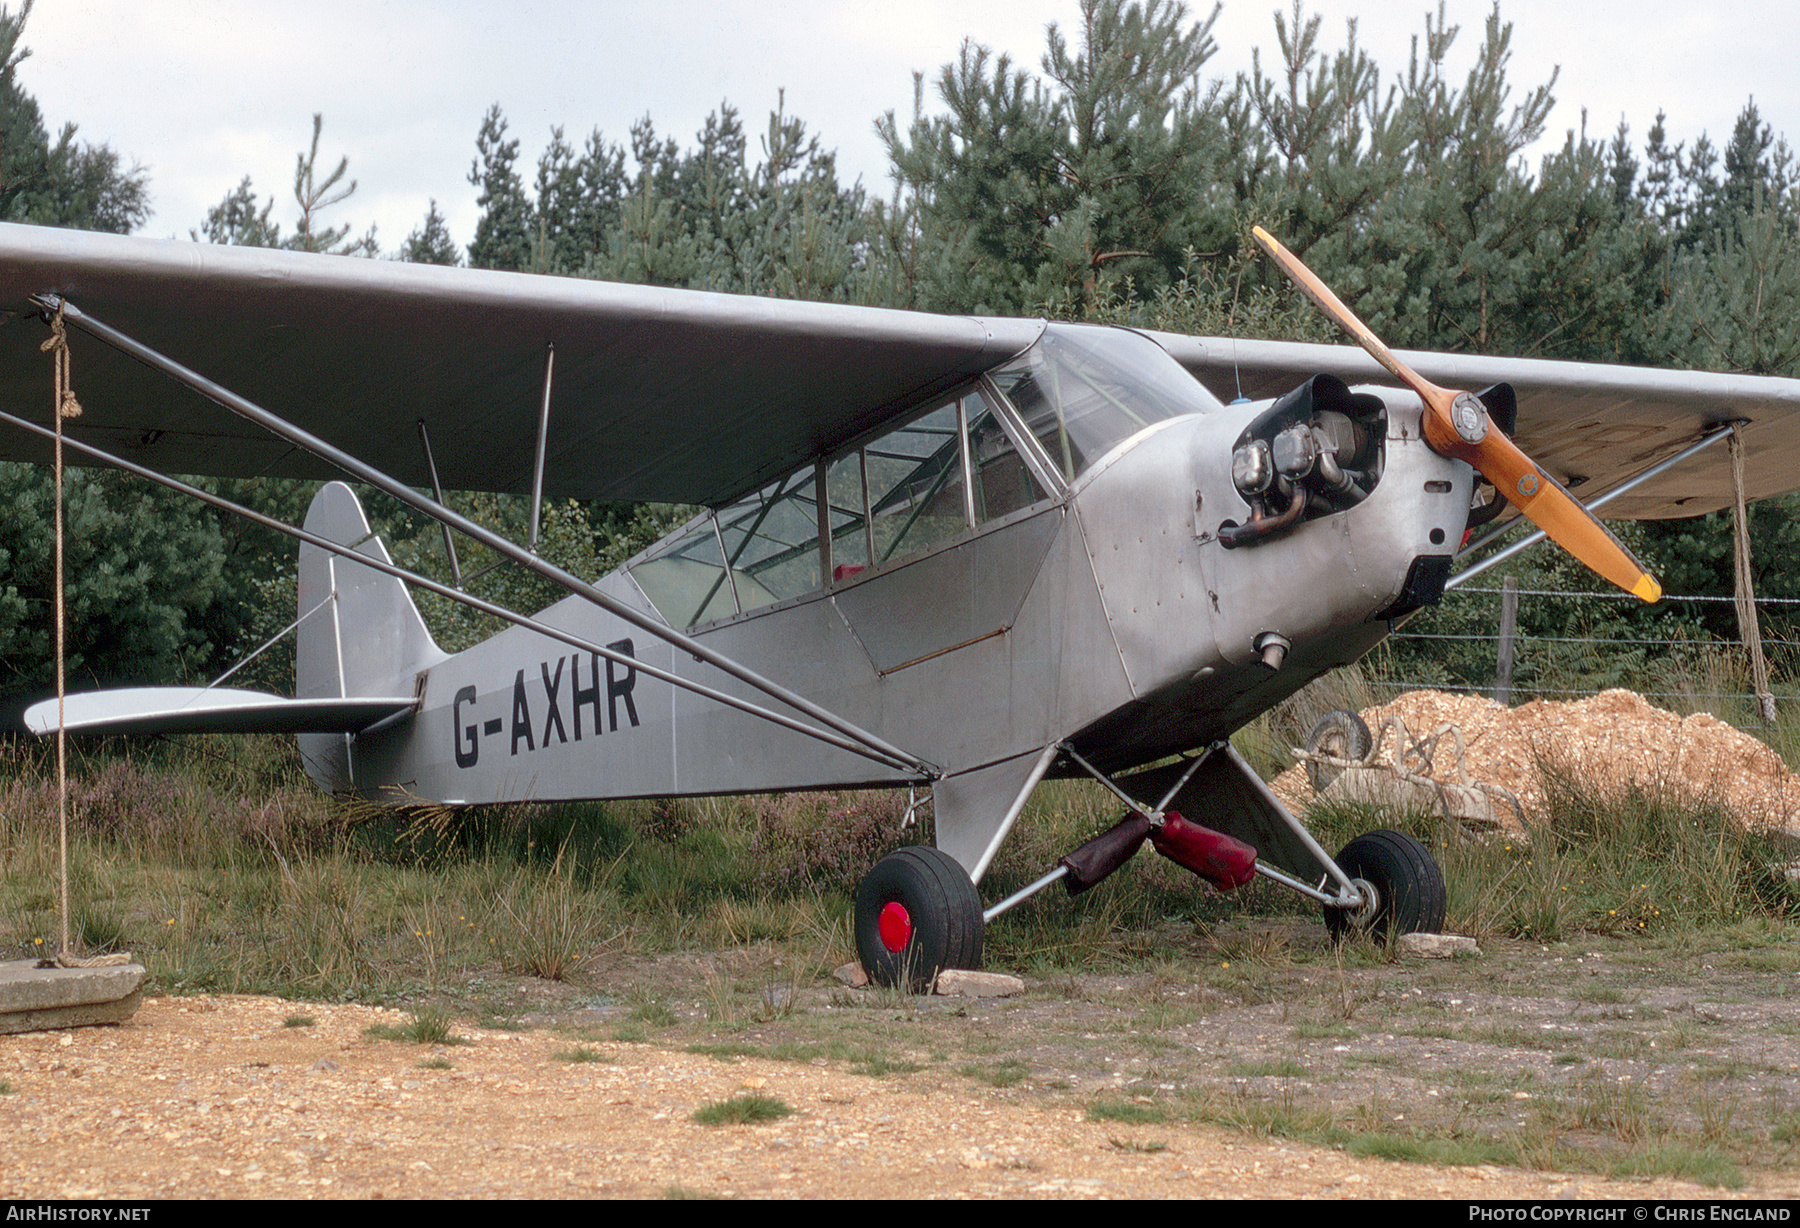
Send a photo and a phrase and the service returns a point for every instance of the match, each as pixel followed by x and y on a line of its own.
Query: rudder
pixel 360 632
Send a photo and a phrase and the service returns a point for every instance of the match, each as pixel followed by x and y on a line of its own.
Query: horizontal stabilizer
pixel 178 709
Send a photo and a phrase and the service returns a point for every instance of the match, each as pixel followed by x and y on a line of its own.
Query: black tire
pixel 1342 735
pixel 934 918
pixel 1409 887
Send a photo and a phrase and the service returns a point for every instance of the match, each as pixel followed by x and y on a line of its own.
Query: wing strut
pixel 437 490
pixel 875 747
pixel 543 441
pixel 1531 539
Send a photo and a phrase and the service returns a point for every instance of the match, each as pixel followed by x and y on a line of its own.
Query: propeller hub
pixel 1470 418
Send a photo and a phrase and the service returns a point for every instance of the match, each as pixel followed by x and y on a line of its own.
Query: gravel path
pixel 216 1098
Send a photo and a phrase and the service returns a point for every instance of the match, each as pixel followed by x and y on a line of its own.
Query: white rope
pixel 66 406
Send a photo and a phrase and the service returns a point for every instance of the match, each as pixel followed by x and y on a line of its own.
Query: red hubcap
pixel 895 926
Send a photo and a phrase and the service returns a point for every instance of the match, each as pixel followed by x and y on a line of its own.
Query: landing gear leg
pixel 917 913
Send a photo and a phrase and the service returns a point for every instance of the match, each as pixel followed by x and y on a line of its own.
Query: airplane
pixel 935 552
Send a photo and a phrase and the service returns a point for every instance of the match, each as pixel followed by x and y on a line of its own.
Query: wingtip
pixel 1648 589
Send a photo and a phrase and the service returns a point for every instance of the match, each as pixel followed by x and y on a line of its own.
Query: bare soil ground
pixel 1090 1085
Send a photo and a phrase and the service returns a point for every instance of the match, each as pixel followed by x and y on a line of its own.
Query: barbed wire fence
pixel 1727 659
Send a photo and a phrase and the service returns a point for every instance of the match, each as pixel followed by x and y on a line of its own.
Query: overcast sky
pixel 203 93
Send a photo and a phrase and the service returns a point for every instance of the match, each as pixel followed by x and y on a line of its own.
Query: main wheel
pixel 1403 883
pixel 1342 735
pixel 917 913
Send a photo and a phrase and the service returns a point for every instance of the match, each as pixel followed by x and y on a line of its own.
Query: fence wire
pixel 1523 641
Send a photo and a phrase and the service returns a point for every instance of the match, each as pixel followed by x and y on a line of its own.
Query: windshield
pixel 1082 389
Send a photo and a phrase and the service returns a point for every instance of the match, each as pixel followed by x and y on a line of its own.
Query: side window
pixel 847 493
pixel 910 489
pixel 686 582
pixel 1002 482
pixel 1082 390
pixel 916 485
pixel 772 541
pixel 770 552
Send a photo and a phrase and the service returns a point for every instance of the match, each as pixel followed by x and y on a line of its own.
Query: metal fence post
pixel 1509 626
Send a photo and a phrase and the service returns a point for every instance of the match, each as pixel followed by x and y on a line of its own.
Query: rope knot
pixel 57 343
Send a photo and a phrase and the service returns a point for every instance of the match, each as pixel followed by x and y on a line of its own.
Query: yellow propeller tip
pixel 1648 589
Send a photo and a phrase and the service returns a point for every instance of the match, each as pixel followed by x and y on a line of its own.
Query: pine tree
pixel 431 243
pixel 240 221
pixel 503 234
pixel 1059 190
pixel 68 183
pixel 315 195
pixel 237 221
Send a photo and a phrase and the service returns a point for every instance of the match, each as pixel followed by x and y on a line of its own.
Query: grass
pixel 1128 1112
pixel 427 1027
pixel 219 865
pixel 1703 1165
pixel 744 1110
pixel 1601 994
pixel 298 1021
pixel 1283 1116
pixel 655 1014
pixel 225 872
pixel 1008 1073
pixel 581 1053
pixel 1605 1126
pixel 1281 1068
pixel 880 1066
pixel 552 925
pixel 1639 861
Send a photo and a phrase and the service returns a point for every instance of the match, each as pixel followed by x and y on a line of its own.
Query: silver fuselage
pixel 1110 616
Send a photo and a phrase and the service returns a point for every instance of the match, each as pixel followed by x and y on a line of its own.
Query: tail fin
pixel 360 633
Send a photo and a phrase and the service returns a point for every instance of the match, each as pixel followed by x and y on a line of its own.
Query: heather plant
pixel 826 840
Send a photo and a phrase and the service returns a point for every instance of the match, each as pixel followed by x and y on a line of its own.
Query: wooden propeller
pixel 1457 426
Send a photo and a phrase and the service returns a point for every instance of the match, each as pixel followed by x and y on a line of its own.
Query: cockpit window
pixel 916 487
pixel 916 484
pixel 760 550
pixel 1082 390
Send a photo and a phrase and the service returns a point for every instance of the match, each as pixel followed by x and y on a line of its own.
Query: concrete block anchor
pixel 36 999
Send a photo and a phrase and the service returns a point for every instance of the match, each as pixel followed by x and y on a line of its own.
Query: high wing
pixel 661 395
pixel 1592 425
pixel 684 396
